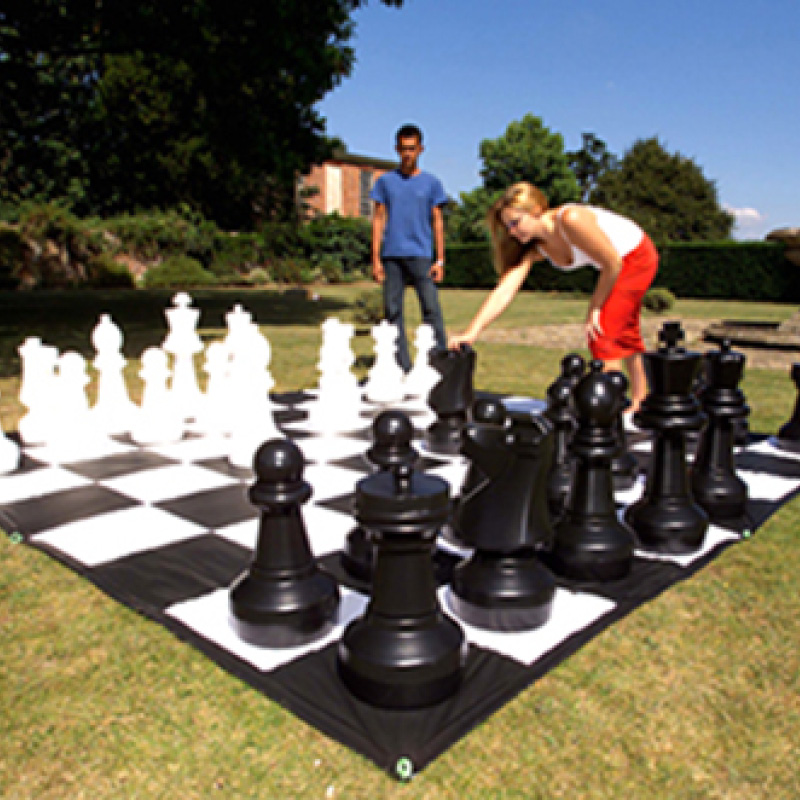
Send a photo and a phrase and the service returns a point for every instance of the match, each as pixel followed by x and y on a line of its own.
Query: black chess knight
pixel 503 585
pixel 667 519
pixel 451 398
pixel 284 599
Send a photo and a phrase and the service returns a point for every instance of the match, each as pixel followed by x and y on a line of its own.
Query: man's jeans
pixel 402 272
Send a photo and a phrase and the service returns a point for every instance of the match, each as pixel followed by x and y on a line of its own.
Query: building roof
pixel 343 156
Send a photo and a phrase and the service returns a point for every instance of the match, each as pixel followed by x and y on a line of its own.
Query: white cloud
pixel 745 216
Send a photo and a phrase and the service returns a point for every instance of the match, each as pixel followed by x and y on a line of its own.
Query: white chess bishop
pixel 386 380
pixel 113 410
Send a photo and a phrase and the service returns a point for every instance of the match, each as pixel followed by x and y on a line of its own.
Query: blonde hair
pixel 506 250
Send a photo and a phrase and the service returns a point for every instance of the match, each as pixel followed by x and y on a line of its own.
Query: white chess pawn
pixel 423 377
pixel 386 380
pixel 36 390
pixel 215 417
pixel 157 421
pixel 338 404
pixel 9 453
pixel 183 342
pixel 251 416
pixel 73 433
pixel 113 411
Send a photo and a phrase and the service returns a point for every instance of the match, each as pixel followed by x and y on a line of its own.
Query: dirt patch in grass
pixel 571 337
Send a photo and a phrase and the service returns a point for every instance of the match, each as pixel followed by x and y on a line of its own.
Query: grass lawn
pixel 695 695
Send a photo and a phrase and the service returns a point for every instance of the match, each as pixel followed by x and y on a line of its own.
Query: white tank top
pixel 624 234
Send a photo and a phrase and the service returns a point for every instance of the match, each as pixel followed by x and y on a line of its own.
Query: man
pixel 406 224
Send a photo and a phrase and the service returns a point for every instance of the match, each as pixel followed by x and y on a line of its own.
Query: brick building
pixel 343 184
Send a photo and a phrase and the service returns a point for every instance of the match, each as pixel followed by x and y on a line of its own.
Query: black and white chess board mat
pixel 167 529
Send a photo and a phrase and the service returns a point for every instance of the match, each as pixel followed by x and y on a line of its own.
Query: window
pixel 364 186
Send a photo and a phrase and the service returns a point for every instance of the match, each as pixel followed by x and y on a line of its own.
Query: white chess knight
pixel 36 391
pixel 250 412
pixel 183 342
pixel 386 380
pixel 113 410
pixel 9 453
pixel 423 377
pixel 157 420
pixel 339 395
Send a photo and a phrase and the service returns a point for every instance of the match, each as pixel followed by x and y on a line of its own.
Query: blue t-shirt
pixel 409 202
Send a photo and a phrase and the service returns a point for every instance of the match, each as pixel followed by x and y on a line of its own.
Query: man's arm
pixel 437 270
pixel 378 225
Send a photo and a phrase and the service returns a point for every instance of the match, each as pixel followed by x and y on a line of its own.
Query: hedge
pixel 720 270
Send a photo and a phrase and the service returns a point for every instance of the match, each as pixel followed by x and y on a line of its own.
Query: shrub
pixel 293 270
pixel 368 307
pixel 346 241
pixel 258 276
pixel 103 272
pixel 178 272
pixel 12 255
pixel 658 300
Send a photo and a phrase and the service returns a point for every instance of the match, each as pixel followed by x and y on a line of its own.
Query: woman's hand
pixel 593 326
pixel 459 339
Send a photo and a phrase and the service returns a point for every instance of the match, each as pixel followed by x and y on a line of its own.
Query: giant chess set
pixel 392 561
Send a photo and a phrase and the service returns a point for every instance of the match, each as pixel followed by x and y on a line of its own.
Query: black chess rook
pixel 404 652
pixel 284 599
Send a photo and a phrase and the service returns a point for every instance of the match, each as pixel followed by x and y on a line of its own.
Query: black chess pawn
pixel 560 411
pixel 624 466
pixel 573 368
pixel 451 398
pixel 392 433
pixel 591 543
pixel 284 599
pixel 503 585
pixel 404 652
pixel 667 519
pixel 715 485
pixel 789 433
pixel 491 414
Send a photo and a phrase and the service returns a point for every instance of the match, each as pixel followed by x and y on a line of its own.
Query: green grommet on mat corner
pixel 404 768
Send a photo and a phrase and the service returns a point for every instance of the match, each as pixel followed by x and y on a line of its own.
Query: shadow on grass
pixel 66 318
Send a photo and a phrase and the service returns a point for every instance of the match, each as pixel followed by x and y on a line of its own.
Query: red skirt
pixel 619 316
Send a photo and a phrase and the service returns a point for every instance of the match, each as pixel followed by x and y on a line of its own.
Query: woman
pixel 524 230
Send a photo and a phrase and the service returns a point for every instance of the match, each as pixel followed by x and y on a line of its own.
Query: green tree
pixel 667 194
pixel 527 151
pixel 590 162
pixel 210 102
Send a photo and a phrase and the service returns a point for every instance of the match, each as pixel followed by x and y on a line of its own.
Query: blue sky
pixel 718 82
